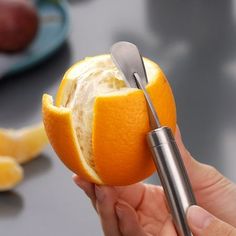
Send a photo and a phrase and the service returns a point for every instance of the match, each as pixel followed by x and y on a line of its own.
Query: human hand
pixel 140 209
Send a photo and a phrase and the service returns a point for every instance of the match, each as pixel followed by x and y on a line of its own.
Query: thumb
pixel 202 223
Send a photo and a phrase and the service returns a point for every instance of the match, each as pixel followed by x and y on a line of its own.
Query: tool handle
pixel 173 176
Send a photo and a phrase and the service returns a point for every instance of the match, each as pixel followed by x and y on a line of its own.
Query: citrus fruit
pixel 23 144
pixel 11 173
pixel 98 125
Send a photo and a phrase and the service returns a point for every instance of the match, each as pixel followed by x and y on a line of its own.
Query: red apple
pixel 19 24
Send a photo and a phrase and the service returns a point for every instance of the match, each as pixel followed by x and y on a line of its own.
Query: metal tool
pixel 166 155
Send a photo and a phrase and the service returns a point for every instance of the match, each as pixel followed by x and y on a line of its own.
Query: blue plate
pixel 53 30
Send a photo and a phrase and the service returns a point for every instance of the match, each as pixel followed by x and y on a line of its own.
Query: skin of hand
pixel 141 210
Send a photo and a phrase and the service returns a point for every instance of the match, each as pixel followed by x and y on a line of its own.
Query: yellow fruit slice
pixel 11 173
pixel 98 126
pixel 23 144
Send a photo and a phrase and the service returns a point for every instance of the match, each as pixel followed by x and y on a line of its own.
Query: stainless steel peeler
pixel 166 155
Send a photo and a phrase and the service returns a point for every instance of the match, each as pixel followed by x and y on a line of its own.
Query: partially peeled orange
pixel 98 125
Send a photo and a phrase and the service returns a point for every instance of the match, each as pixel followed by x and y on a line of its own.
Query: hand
pixel 141 209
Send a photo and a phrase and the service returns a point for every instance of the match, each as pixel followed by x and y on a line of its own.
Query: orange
pixel 23 144
pixel 11 173
pixel 98 126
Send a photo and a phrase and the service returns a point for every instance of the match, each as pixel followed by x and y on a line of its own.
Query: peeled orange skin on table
pixel 98 126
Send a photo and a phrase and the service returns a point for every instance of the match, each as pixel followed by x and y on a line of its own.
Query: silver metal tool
pixel 166 155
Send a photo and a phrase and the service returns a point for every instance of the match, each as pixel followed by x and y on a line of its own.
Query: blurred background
pixel 192 41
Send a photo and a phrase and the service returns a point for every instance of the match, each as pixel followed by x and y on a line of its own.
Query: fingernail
pixel 100 195
pixel 199 217
pixel 120 209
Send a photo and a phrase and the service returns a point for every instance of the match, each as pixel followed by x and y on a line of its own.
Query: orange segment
pixel 11 173
pixel 98 127
pixel 23 144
